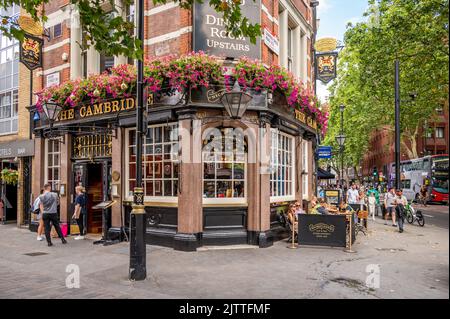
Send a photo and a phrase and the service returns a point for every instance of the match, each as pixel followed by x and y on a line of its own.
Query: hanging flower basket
pixel 10 176
pixel 169 77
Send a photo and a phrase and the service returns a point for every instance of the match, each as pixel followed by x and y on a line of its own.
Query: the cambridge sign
pixel 97 109
pixel 210 34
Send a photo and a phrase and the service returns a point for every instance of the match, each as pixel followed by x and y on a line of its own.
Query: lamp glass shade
pixel 236 101
pixel 340 139
pixel 342 107
pixel 51 110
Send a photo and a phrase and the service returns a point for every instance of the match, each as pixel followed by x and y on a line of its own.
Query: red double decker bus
pixel 429 170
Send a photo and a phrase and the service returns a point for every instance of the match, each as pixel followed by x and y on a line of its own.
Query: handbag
pixel 36 211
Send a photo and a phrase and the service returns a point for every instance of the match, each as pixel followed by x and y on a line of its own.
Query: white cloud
pixel 324 5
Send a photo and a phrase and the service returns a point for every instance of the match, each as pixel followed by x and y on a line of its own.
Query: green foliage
pixel 414 32
pixel 10 176
pixel 112 34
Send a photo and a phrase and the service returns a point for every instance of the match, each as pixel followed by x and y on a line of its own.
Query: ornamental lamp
pixel 236 101
pixel 51 110
pixel 340 139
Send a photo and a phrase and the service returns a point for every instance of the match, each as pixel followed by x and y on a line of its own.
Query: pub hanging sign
pixel 326 64
pixel 30 51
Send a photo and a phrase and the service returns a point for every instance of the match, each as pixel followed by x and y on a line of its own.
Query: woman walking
pixel 80 210
pixel 40 230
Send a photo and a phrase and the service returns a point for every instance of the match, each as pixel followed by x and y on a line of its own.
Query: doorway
pixel 94 191
pixel 94 177
pixel 8 194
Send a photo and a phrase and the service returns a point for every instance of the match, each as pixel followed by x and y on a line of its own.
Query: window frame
pixel 438 131
pixel 53 167
pixel 226 200
pixel 305 169
pixel 291 139
pixel 127 191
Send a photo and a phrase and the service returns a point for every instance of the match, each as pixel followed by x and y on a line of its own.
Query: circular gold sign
pixel 325 45
pixel 115 176
pixel 30 26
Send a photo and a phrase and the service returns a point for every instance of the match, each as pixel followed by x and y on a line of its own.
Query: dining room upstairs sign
pixel 211 36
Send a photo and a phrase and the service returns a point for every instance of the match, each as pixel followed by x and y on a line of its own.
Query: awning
pixel 323 174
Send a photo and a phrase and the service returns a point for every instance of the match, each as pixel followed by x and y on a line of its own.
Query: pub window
pixel 282 164
pixel 305 171
pixel 53 163
pixel 224 166
pixel 440 132
pixel 9 77
pixel 160 162
pixel 290 51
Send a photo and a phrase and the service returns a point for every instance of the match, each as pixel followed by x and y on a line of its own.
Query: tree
pixel 412 31
pixel 97 23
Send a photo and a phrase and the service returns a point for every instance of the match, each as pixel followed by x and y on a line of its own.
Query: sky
pixel 334 16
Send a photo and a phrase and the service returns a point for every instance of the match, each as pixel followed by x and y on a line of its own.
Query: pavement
pixel 414 264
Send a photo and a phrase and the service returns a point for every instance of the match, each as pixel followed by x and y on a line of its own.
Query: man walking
pixel 389 204
pixel 353 197
pixel 49 210
pixel 400 203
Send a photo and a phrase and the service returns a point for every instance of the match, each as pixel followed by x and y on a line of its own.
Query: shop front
pixel 15 191
pixel 208 178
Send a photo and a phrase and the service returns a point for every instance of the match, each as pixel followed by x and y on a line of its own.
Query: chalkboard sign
pixel 333 196
pixel 322 230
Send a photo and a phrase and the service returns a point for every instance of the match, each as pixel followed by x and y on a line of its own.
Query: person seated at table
pixel 319 207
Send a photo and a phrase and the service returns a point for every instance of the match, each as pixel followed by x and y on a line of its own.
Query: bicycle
pixel 412 215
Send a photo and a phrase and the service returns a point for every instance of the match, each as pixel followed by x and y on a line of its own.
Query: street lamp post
pixel 340 139
pixel 397 124
pixel 138 270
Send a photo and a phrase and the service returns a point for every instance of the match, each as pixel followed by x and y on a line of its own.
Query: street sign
pixel 324 151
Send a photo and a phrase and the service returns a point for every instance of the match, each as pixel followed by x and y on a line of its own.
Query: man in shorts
pixel 390 206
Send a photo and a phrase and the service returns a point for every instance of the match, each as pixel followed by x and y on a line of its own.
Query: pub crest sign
pixel 30 51
pixel 326 64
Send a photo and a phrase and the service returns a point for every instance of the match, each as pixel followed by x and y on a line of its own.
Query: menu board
pixel 333 196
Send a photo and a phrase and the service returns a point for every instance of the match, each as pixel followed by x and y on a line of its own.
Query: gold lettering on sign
pixel 83 111
pixel 300 116
pixel 115 106
pixel 107 107
pixel 71 114
pixel 150 99
pixel 130 103
pixel 98 109
pixel 89 111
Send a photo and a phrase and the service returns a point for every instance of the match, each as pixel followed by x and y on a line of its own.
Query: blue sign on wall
pixel 324 151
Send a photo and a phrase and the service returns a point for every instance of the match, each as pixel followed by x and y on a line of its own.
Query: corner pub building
pixel 208 179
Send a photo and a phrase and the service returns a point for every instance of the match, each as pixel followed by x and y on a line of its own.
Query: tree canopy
pixel 416 33
pixel 113 34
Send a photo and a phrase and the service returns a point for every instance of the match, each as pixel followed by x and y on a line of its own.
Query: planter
pixel 10 176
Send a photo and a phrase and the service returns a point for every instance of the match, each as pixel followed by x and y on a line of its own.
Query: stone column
pixel 297 48
pixel 190 209
pixel 283 34
pixel 253 186
pixel 38 166
pixel 298 169
pixel 65 178
pixel 93 61
pixel 265 238
pixel 75 41
pixel 121 11
pixel 117 166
